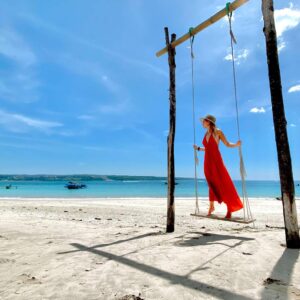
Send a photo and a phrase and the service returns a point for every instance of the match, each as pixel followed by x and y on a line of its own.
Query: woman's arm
pixel 226 143
pixel 199 148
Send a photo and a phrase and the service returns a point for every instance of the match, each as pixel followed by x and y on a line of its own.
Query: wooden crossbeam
pixel 216 17
pixel 216 217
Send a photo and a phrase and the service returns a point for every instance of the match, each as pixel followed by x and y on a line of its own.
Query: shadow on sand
pixel 117 242
pixel 277 286
pixel 205 238
pixel 217 292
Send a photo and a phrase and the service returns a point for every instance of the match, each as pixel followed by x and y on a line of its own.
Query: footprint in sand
pixel 131 297
pixel 282 287
pixel 27 278
pixel 6 260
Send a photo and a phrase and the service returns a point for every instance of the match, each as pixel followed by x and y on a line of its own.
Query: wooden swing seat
pixel 220 218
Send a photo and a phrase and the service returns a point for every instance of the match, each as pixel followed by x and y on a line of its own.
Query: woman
pixel 220 185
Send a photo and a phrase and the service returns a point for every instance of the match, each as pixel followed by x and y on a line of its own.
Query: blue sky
pixel 81 90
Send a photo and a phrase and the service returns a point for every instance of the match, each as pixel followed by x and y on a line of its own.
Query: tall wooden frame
pixel 284 159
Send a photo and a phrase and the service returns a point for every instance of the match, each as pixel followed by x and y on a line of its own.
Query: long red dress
pixel 221 187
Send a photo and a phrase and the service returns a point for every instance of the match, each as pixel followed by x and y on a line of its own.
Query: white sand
pixel 56 249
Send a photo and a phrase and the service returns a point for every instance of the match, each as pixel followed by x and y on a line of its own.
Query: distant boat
pixel 74 185
pixel 9 187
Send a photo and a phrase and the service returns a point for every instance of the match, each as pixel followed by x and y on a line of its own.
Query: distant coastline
pixel 91 177
pixel 79 177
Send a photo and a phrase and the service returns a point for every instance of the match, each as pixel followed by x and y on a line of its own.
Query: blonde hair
pixel 212 126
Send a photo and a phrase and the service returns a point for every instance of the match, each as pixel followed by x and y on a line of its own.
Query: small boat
pixel 74 185
pixel 8 187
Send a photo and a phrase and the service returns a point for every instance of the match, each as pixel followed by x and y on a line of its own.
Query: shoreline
pixel 127 198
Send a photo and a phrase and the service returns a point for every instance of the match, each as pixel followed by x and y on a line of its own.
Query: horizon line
pixel 103 175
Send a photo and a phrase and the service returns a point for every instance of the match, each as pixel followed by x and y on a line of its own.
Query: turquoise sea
pixel 125 187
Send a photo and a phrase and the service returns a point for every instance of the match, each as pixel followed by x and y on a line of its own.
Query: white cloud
pixel 14 47
pixel 119 101
pixel 228 57
pixel 17 84
pixel 96 148
pixel 240 56
pixel 115 107
pixel 110 84
pixel 20 123
pixel 35 122
pixel 286 19
pixel 85 117
pixel 143 64
pixel 293 125
pixel 90 69
pixel 294 89
pixel 257 110
pixel 68 133
pixel 281 45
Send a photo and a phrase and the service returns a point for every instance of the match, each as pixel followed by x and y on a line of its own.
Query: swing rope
pixel 247 210
pixel 196 160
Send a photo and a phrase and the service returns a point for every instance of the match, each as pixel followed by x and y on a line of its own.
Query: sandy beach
pixel 118 249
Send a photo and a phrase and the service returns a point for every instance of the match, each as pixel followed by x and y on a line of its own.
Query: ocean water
pixel 128 188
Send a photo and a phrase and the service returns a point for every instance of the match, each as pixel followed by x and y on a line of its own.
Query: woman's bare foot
pixel 228 215
pixel 210 211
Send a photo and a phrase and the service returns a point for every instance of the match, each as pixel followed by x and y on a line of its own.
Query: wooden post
pixel 171 136
pixel 283 150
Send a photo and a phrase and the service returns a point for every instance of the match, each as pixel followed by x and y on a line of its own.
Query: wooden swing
pixel 247 218
pixel 170 49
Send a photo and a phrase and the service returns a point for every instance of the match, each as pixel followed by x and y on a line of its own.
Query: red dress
pixel 221 187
